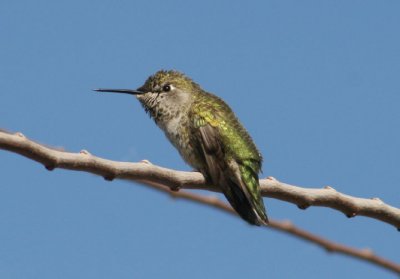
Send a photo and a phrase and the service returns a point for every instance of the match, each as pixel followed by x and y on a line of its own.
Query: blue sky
pixel 316 83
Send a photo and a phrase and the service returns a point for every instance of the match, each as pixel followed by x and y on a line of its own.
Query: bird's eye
pixel 166 88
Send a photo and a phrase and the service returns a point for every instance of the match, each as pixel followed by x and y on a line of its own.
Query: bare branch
pixel 302 197
pixel 287 227
pixel 169 181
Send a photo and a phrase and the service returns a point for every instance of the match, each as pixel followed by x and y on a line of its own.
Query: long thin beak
pixel 124 91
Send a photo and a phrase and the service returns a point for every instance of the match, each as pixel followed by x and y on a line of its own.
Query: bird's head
pixel 164 92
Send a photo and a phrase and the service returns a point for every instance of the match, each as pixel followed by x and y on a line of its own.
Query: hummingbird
pixel 208 136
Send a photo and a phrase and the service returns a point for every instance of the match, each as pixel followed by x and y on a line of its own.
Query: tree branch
pixel 303 197
pixel 286 227
pixel 166 180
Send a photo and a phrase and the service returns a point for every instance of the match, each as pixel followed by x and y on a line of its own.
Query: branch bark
pixel 303 197
pixel 169 181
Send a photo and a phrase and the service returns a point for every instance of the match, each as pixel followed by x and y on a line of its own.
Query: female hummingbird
pixel 208 136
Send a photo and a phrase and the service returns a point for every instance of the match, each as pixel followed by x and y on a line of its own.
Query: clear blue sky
pixel 316 83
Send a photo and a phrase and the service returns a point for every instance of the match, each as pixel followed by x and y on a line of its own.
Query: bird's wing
pixel 227 166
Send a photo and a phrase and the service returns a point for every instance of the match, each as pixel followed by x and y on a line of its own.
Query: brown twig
pixel 285 227
pixel 166 180
pixel 302 197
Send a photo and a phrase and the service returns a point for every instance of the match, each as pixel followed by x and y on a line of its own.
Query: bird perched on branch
pixel 208 136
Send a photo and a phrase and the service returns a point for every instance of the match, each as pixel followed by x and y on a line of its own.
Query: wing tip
pixel 263 221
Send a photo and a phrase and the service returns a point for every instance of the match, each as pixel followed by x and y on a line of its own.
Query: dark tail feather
pixel 243 206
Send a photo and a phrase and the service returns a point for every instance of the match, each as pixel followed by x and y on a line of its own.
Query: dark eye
pixel 166 88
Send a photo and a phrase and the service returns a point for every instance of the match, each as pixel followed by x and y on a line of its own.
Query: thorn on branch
pixel 303 206
pixel 109 177
pixel 84 152
pixel 351 215
pixel 19 134
pixel 329 188
pixel 377 199
pixel 50 167
pixel 175 188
